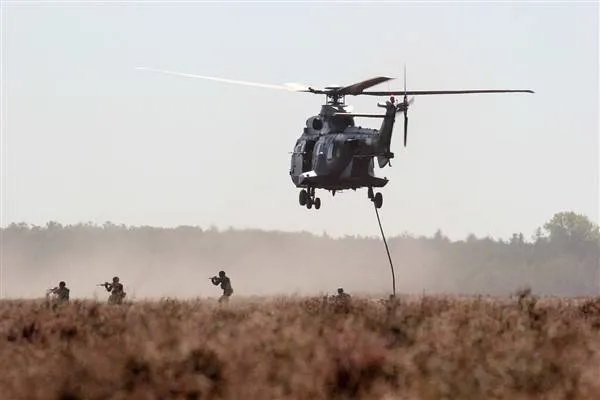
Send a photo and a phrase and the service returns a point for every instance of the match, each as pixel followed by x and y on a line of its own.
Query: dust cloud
pixel 165 265
pixel 154 263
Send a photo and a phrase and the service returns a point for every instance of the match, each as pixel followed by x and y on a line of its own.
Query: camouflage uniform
pixel 61 292
pixel 117 293
pixel 225 285
pixel 391 304
pixel 342 296
pixel 339 298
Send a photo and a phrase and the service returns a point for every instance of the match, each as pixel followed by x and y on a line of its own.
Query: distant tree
pixel 538 237
pixel 53 225
pixel 517 239
pixel 440 237
pixel 471 238
pixel 21 226
pixel 109 225
pixel 570 227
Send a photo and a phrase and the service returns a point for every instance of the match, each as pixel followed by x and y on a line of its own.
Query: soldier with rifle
pixel 341 295
pixel 116 288
pixel 60 294
pixel 225 285
pixel 341 298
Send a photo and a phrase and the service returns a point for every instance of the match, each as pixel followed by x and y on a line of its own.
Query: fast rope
pixel 387 250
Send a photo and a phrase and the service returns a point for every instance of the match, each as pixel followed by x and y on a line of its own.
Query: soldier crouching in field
pixel 60 295
pixel 341 299
pixel 342 296
pixel 339 302
pixel 116 288
pixel 225 285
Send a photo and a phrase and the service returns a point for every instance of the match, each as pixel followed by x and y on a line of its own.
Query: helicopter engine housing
pixel 314 123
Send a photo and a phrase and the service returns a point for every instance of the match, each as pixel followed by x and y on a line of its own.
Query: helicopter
pixel 334 154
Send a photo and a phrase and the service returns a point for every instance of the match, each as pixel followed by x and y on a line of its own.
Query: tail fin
pixel 385 133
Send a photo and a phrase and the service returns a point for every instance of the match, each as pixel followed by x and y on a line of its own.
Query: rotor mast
pixel 335 99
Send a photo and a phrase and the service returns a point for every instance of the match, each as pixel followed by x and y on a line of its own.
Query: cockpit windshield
pixel 340 122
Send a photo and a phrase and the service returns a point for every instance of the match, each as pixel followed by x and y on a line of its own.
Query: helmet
pixel 221 273
pixel 62 284
pixel 116 279
pixel 340 290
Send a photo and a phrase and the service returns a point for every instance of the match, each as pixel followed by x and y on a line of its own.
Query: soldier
pixel 116 288
pixel 391 304
pixel 225 285
pixel 341 295
pixel 61 292
pixel 341 298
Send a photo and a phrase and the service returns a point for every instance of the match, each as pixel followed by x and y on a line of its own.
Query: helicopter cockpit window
pixel 341 122
pixel 337 151
pixel 317 151
pixel 330 150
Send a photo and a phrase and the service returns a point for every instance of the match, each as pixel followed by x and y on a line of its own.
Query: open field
pixel 420 347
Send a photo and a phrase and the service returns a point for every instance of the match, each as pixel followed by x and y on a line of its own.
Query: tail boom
pixel 385 134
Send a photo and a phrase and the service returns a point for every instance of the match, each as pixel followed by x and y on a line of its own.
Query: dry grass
pixel 422 348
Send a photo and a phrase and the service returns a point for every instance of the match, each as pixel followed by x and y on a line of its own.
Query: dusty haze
pixel 562 259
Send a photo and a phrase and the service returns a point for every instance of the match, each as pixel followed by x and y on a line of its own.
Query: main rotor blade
pixel 423 92
pixel 357 88
pixel 294 87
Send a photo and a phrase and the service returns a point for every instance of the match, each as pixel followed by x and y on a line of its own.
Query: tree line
pixel 562 258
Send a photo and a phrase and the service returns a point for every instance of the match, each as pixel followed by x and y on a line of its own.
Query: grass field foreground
pixel 414 348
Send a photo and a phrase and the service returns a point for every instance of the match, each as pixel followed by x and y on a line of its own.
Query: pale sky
pixel 87 137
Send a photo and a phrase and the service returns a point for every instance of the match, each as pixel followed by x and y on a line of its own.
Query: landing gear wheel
pixel 378 200
pixel 307 198
pixel 303 197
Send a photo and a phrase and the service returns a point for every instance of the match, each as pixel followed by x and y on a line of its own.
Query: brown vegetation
pixel 417 348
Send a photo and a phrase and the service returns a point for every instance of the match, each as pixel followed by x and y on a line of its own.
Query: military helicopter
pixel 334 154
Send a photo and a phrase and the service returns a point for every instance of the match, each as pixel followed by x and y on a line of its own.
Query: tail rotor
pixel 404 108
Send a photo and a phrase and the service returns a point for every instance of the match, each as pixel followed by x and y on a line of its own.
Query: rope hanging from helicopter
pixel 387 250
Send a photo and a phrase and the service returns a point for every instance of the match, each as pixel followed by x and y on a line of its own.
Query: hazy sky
pixel 87 137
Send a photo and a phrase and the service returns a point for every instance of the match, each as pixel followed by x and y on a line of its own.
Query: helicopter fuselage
pixel 336 161
pixel 335 155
